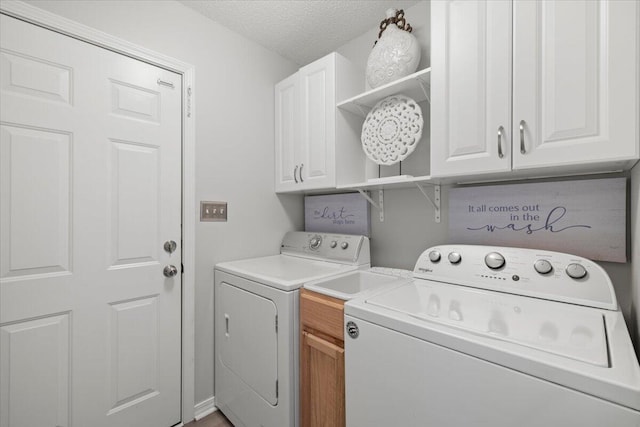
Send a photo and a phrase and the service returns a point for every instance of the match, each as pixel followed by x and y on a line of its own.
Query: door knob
pixel 170 271
pixel 170 246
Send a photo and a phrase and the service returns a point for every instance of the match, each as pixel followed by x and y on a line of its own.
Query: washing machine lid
pixel 536 337
pixel 566 330
pixel 283 271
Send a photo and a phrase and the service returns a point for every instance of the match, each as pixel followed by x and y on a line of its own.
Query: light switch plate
pixel 213 211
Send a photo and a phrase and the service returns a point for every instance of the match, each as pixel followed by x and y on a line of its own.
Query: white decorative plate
pixel 392 129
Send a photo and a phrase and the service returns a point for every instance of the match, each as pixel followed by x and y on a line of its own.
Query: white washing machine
pixel 257 324
pixel 492 336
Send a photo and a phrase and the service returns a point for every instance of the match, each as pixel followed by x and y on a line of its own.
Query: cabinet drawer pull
pixel 301 165
pixel 500 132
pixel 523 149
pixel 294 174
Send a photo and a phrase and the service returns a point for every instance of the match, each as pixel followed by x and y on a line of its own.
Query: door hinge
pixel 276 389
pixel 276 323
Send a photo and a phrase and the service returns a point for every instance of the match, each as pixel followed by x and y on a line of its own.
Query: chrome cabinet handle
pixel 170 271
pixel 523 149
pixel 301 165
pixel 500 132
pixel 294 174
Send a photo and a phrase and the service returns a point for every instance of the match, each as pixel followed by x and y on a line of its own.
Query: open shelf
pixel 415 86
pixel 390 182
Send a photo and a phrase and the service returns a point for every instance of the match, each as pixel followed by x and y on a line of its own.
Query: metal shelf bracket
pixel 435 202
pixel 379 205
pixel 364 110
pixel 425 89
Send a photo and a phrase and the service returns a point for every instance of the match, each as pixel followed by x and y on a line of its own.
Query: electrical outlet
pixel 213 211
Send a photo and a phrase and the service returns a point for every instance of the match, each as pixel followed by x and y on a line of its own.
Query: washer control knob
pixel 543 266
pixel 344 245
pixel 315 242
pixel 333 244
pixel 494 260
pixel 576 271
pixel 434 256
pixel 454 257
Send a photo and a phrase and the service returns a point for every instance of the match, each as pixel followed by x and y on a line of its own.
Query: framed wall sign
pixel 586 218
pixel 337 213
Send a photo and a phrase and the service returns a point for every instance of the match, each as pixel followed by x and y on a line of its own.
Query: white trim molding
pixel 82 32
pixel 205 408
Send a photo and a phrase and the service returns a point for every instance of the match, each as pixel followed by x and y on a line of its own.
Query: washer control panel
pixel 345 248
pixel 537 273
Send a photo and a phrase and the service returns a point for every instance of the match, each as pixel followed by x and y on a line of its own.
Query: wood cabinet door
pixel 287 134
pixel 575 88
pixel 322 383
pixel 470 87
pixel 318 110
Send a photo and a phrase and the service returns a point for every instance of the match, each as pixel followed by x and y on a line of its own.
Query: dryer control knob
pixel 315 242
pixel 333 244
pixel 434 256
pixel 344 245
pixel 494 260
pixel 576 271
pixel 543 266
pixel 455 257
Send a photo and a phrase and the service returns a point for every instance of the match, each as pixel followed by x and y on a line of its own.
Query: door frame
pixel 42 18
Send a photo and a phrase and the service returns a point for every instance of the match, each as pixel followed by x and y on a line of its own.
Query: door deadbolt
pixel 170 246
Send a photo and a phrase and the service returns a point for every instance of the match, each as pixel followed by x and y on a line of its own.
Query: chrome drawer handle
pixel 301 165
pixel 500 132
pixel 294 174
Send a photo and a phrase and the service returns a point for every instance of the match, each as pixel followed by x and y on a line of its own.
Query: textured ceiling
pixel 299 30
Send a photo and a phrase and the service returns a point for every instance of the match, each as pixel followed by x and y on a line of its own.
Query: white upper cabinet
pixel 287 113
pixel 317 146
pixel 538 86
pixel 470 87
pixel 575 86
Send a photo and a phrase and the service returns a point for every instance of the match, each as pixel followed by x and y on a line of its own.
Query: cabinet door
pixel 575 87
pixel 287 122
pixel 322 383
pixel 470 87
pixel 318 109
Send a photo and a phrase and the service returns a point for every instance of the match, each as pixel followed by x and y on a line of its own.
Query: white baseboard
pixel 205 408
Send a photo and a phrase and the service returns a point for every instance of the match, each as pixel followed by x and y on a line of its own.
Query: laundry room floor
pixel 214 420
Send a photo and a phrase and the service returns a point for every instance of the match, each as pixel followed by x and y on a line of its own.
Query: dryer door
pixel 250 344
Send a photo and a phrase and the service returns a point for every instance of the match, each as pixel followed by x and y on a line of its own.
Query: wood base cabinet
pixel 547 86
pixel 322 395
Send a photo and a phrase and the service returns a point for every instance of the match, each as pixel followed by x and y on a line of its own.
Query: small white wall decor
pixel 392 130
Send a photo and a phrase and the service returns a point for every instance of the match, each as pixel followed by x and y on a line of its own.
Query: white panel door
pixel 470 87
pixel 90 167
pixel 318 109
pixel 575 86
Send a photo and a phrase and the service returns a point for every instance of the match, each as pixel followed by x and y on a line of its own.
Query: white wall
pixel 234 136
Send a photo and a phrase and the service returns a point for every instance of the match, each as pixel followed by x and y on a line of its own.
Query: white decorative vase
pixel 395 55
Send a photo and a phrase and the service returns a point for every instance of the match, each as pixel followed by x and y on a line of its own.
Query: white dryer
pixel 492 336
pixel 257 324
